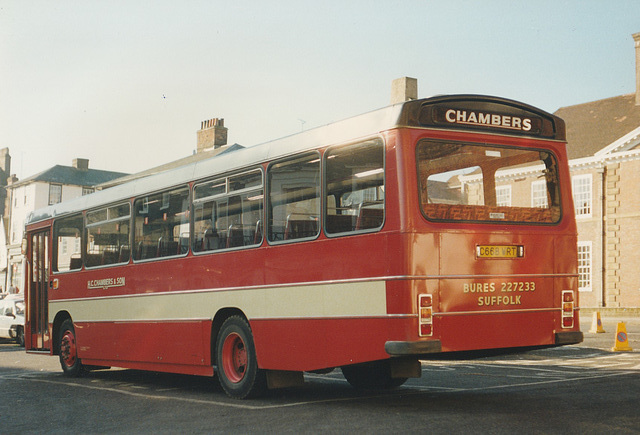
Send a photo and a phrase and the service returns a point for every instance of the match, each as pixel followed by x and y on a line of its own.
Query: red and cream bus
pixel 436 225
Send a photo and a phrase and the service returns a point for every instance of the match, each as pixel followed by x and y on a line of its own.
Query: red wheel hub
pixel 68 349
pixel 234 357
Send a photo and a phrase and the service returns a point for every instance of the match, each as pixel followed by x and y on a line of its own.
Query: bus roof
pixel 469 112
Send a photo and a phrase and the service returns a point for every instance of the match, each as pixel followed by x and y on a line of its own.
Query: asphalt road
pixel 576 389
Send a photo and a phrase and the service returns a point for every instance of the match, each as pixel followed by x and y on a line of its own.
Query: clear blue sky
pixel 127 83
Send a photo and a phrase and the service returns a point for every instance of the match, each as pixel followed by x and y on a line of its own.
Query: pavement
pixel 610 323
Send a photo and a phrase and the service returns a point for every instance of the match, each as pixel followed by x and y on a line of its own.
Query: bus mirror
pixel 24 246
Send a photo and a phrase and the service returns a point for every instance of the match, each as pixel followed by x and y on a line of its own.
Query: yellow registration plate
pixel 499 251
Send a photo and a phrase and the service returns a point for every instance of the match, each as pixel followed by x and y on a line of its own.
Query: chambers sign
pixel 484 119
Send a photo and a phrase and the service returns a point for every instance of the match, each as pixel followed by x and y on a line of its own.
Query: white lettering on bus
pixel 478 287
pixel 105 283
pixel 488 119
pixel 485 301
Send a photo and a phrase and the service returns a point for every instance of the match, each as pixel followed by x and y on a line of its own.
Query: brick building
pixel 604 151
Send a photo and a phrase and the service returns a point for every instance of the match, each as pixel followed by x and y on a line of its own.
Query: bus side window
pixel 108 235
pixel 161 224
pixel 294 198
pixel 67 239
pixel 228 212
pixel 354 184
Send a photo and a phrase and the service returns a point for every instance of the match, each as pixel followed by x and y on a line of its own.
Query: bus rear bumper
pixel 405 348
pixel 569 337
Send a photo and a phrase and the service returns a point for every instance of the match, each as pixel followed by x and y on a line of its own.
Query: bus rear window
pixel 484 183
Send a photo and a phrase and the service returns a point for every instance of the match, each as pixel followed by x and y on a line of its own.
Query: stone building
pixel 604 151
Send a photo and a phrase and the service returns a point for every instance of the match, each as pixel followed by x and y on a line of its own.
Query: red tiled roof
pixel 592 126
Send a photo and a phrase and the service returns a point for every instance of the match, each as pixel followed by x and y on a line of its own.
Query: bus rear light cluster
pixel 425 316
pixel 567 308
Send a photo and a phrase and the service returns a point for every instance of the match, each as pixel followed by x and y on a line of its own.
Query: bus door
pixel 37 328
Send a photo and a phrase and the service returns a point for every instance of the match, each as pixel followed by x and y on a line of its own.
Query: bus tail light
pixel 567 308
pixel 425 316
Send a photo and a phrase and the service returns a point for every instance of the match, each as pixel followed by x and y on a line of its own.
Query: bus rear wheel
pixel 238 371
pixel 68 352
pixel 374 375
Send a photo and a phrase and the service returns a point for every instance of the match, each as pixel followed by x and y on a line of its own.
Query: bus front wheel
pixel 69 361
pixel 374 375
pixel 238 371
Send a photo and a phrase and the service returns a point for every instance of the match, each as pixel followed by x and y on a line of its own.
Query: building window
pixel 584 266
pixel 539 194
pixel 582 194
pixel 503 196
pixel 87 190
pixel 55 193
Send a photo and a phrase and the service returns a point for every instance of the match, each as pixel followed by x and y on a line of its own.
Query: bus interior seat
pixel 125 253
pixel 167 248
pixel 93 260
pixel 210 239
pixel 146 250
pixel 235 236
pixel 75 263
pixel 110 256
pixel 369 218
pixel 300 226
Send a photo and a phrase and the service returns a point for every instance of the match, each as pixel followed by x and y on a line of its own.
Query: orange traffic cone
pixel 622 341
pixel 596 326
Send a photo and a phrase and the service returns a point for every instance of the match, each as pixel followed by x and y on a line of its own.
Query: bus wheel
pixel 238 371
pixel 69 361
pixel 374 375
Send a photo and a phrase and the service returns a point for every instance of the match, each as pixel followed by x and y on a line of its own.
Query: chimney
pixel 404 89
pixel 81 164
pixel 636 38
pixel 5 162
pixel 212 134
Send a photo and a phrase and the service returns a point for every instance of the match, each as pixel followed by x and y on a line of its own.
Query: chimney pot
pixel 212 134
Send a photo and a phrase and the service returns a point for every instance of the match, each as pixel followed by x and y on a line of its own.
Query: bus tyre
pixel 238 371
pixel 374 375
pixel 69 361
